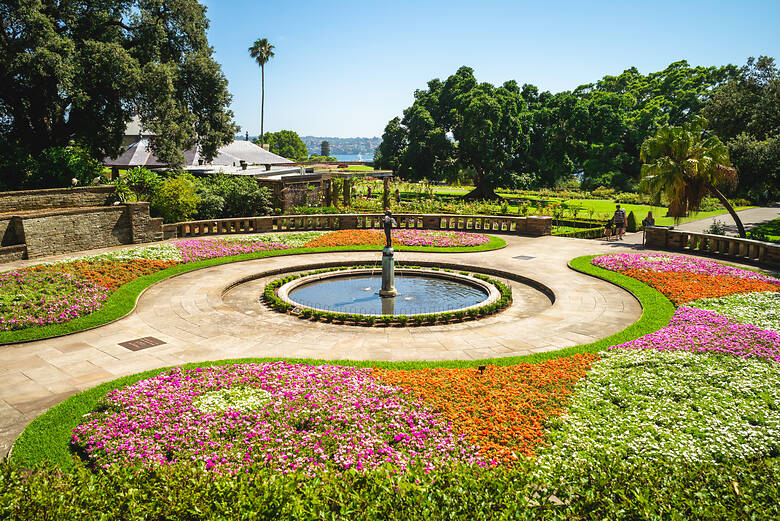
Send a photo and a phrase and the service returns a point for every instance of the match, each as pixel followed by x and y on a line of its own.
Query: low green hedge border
pixel 357 319
pixel 123 300
pixel 47 438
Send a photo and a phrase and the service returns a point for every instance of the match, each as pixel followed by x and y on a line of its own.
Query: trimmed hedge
pixel 277 304
pixel 605 490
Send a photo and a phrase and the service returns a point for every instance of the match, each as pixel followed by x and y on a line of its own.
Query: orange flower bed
pixel 503 410
pixel 682 287
pixel 108 273
pixel 347 238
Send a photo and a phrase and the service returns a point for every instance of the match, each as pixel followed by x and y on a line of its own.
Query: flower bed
pixel 503 410
pixel 286 416
pixel 107 273
pixel 439 239
pixel 760 309
pixel 686 408
pixel 34 299
pixel 703 331
pixel 199 249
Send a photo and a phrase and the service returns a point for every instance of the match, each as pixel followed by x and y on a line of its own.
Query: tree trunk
pixel 262 103
pixel 482 191
pixel 725 202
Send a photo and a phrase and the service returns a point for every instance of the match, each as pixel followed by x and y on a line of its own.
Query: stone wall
pixel 736 248
pixel 65 231
pixel 11 232
pixel 30 200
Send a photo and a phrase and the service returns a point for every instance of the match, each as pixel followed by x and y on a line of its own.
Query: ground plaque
pixel 141 343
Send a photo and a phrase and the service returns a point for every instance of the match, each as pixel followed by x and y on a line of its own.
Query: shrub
pixel 241 195
pixel 175 200
pixel 142 182
pixel 631 222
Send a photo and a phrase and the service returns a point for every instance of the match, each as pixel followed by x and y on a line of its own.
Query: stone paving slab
pixel 189 314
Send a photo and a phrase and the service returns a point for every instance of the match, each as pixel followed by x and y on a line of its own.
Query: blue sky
pixel 344 68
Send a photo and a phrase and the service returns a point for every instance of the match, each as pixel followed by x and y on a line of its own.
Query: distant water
pixel 368 156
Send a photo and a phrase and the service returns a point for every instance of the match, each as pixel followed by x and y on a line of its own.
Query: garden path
pixel 189 314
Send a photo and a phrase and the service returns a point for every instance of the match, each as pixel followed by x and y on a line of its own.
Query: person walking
pixel 620 222
pixel 647 221
pixel 608 230
pixel 397 195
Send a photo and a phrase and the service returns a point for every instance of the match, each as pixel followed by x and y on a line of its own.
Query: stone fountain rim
pixel 493 294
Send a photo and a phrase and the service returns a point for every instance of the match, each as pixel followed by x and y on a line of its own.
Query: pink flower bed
pixel 438 238
pixel 702 331
pixel 306 418
pixel 34 299
pixel 676 263
pixel 200 249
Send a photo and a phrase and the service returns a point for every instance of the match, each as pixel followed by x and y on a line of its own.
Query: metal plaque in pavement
pixel 141 343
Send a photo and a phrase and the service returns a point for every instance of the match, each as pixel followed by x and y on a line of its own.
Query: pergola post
pixel 347 191
pixel 386 193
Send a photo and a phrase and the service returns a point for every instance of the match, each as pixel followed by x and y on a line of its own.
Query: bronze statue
pixel 388 223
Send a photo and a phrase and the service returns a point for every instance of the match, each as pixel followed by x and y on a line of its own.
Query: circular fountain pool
pixel 419 292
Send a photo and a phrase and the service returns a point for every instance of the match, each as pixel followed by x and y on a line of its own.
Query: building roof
pixel 139 153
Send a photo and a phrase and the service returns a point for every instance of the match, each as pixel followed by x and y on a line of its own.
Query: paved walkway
pixel 750 219
pixel 196 323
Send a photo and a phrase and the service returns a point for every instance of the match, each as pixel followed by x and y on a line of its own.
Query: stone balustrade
pixel 533 225
pixel 718 245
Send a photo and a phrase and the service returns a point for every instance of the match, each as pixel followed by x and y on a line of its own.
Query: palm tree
pixel 683 164
pixel 262 51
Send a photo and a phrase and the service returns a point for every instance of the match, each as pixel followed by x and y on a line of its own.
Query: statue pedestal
pixel 388 274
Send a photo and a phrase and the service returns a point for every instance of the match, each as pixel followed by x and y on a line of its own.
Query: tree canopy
pixel 503 134
pixel 683 164
pixel 74 73
pixel 745 112
pixel 286 143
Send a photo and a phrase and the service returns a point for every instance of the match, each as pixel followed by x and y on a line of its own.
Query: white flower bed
pixel 758 309
pixel 675 406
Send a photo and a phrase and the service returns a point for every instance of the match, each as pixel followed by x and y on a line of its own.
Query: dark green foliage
pixel 312 210
pixel 240 197
pixel 745 114
pixel 75 72
pixel 603 490
pixel 176 199
pixel 287 143
pixel 541 139
pixel 54 167
pixel 631 222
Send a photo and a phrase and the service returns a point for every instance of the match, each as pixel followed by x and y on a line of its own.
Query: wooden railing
pixel 533 225
pixel 719 245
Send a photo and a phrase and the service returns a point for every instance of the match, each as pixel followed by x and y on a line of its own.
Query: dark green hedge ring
pixel 428 319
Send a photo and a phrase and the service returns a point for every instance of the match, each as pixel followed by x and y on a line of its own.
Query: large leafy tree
pixel 683 164
pixel 287 143
pixel 262 51
pixel 745 112
pixel 75 72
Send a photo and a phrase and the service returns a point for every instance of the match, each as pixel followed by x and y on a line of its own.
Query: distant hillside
pixel 343 145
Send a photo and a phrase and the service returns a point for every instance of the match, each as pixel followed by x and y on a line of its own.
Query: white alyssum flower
pixel 675 406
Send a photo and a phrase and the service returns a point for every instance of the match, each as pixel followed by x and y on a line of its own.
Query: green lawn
pixel 602 206
pixel 770 230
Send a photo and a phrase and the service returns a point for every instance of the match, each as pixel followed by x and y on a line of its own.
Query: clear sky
pixel 345 68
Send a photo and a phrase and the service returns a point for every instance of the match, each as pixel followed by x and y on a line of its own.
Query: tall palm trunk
pixel 725 202
pixel 262 104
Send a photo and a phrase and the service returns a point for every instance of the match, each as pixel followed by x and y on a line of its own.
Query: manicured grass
pixel 47 437
pixel 123 300
pixel 601 206
pixel 771 230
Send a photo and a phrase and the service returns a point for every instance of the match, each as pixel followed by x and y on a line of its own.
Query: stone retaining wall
pixel 718 245
pixel 76 229
pixel 30 200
